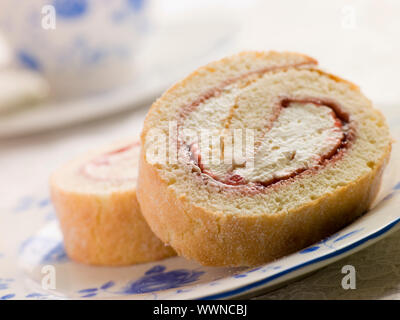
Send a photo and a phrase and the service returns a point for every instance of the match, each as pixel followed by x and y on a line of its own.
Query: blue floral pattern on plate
pixel 136 4
pixel 330 241
pixel 176 277
pixel 5 283
pixel 68 9
pixel 156 279
pixel 28 60
pixel 52 251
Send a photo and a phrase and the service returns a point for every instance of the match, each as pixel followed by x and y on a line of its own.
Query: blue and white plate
pixel 33 264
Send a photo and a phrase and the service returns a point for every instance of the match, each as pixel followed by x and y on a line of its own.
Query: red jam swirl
pixel 232 180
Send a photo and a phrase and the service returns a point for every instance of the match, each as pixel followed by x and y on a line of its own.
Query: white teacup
pixel 80 46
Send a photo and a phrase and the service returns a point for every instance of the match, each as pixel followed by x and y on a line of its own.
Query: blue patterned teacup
pixel 80 46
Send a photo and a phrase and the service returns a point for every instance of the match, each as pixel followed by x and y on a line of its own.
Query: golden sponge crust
pixel 218 239
pixel 103 227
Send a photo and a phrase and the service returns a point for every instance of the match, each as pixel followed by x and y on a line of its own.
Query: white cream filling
pixel 298 138
pixel 114 166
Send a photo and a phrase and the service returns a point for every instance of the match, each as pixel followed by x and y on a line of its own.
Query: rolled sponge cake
pixel 310 161
pixel 95 199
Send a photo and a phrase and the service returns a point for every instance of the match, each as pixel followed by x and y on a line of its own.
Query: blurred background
pixel 75 74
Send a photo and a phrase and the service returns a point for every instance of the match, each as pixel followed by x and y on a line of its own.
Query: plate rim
pixel 305 266
pixel 328 257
